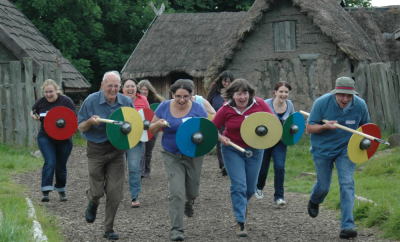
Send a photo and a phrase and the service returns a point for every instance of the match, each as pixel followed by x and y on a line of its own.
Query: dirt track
pixel 213 219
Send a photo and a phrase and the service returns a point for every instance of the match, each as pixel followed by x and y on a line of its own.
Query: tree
pixel 357 3
pixel 100 35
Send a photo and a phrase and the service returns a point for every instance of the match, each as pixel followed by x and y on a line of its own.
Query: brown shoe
pixel 241 230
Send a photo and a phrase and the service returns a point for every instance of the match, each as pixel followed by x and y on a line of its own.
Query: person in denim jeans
pixel 242 171
pixel 55 152
pixel 329 147
pixel 134 155
pixel 214 97
pixel 282 108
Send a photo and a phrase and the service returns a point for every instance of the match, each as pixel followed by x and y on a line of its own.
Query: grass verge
pixel 15 224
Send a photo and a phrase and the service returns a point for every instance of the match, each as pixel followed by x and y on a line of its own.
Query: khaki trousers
pixel 106 167
pixel 183 175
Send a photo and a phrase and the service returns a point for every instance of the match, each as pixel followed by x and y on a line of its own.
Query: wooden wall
pixel 19 90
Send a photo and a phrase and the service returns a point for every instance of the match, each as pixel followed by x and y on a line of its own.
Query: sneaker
pixel 45 196
pixel 112 235
pixel 223 171
pixel 189 208
pixel 241 230
pixel 177 237
pixel 348 233
pixel 259 194
pixel 313 209
pixel 280 202
pixel 91 212
pixel 63 197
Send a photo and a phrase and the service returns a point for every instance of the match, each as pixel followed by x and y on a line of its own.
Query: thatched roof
pixel 23 39
pixel 328 15
pixel 184 42
pixel 380 24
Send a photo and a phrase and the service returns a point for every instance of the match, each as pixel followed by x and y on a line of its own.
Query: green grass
pixel 15 224
pixel 377 179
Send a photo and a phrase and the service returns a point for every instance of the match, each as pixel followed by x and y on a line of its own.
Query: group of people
pixel 229 102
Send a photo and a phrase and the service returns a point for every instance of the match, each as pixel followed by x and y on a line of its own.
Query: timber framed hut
pixel 19 38
pixel 309 43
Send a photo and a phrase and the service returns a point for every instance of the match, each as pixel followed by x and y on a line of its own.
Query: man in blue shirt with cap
pixel 329 146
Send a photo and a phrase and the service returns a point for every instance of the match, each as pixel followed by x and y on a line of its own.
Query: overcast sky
pixel 377 3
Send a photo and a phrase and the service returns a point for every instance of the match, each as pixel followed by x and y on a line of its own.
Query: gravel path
pixel 213 219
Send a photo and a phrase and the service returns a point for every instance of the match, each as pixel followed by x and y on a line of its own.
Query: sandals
pixel 135 203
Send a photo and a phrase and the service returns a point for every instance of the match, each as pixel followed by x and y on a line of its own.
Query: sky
pixel 378 3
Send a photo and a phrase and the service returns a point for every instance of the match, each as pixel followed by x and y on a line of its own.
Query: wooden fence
pixel 382 93
pixel 19 89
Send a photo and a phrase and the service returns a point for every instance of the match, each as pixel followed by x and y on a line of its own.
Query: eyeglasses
pixel 111 86
pixel 182 97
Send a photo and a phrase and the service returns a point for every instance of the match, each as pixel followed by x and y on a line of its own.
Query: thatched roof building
pixel 308 43
pixel 19 38
pixel 180 43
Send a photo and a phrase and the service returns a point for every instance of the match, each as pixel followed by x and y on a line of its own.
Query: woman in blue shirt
pixel 282 107
pixel 183 172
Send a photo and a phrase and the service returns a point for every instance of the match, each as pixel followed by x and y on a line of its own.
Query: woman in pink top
pixel 134 155
pixel 242 171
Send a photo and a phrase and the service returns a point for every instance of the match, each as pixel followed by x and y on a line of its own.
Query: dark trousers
pixel 145 165
pixel 219 153
pixel 106 167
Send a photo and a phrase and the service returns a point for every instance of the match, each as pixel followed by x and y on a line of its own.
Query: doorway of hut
pixel 198 82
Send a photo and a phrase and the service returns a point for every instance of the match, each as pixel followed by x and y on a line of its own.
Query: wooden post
pixel 384 89
pixel 393 98
pixel 8 122
pixel 376 94
pixel 39 82
pixel 46 72
pixel 58 78
pixel 20 125
pixel 370 96
pixel 30 100
pixel 1 111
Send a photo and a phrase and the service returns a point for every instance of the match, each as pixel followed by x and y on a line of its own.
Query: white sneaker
pixel 280 202
pixel 259 194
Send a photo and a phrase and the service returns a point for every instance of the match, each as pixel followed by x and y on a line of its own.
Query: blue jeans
pixel 133 157
pixel 243 173
pixel 55 163
pixel 278 154
pixel 345 169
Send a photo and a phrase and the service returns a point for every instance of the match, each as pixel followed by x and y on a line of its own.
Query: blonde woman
pixel 55 152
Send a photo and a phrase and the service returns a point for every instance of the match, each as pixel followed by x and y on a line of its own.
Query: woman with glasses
pixel 182 172
pixel 147 90
pixel 55 152
pixel 214 97
pixel 243 171
pixel 134 154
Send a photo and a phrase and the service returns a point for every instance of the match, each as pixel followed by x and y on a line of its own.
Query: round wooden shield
pixel 60 123
pixel 147 116
pixel 248 130
pixel 293 128
pixel 355 153
pixel 154 106
pixel 196 137
pixel 117 137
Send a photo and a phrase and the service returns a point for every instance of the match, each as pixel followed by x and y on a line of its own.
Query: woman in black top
pixel 215 99
pixel 55 152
